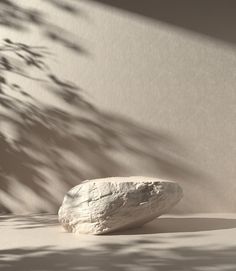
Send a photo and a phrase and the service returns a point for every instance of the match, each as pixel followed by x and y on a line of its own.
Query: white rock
pixel 104 205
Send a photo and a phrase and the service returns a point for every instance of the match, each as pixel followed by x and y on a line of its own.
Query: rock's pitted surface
pixel 104 205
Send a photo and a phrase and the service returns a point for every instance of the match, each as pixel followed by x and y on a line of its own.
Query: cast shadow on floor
pixel 179 224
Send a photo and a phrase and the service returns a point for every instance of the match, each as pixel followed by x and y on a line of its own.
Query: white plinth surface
pixel 202 242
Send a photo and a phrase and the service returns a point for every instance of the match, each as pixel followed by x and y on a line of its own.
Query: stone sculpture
pixel 105 205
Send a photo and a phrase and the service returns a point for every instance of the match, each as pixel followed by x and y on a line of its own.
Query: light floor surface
pixel 200 242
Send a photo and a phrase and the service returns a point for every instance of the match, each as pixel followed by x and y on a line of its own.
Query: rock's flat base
pixel 105 205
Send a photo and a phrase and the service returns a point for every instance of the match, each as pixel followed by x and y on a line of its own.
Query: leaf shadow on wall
pixel 54 149
pixel 21 18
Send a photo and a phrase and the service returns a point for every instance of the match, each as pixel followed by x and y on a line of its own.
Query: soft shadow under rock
pixel 178 225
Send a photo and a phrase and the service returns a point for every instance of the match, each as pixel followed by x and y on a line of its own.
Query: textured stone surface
pixel 105 205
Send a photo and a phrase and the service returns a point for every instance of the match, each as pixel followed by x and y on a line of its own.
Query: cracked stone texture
pixel 105 205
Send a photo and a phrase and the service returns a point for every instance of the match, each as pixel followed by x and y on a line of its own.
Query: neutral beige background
pixel 161 80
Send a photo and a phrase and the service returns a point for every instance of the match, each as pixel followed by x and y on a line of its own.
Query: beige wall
pixel 160 81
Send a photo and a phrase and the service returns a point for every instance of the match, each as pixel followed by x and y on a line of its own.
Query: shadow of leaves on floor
pixel 108 257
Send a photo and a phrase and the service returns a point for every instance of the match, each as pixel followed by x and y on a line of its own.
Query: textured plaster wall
pixel 162 102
